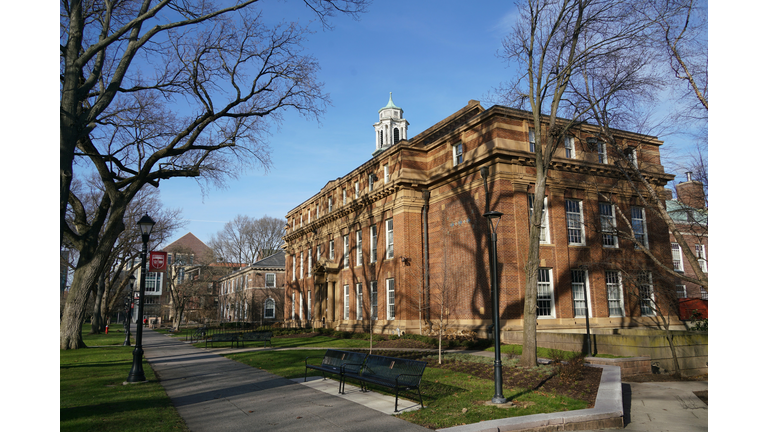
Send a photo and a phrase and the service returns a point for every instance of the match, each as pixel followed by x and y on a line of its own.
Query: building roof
pixel 272 261
pixel 390 104
pixel 681 213
pixel 189 242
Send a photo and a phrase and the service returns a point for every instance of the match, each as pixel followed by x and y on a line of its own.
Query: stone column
pixel 331 314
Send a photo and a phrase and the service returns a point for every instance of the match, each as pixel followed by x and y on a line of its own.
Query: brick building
pixel 400 241
pixel 254 293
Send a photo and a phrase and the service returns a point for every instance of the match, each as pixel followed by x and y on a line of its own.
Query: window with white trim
pixel 293 260
pixel 153 283
pixel 575 221
pixel 645 289
pixel 374 241
pixel 615 293
pixel 704 294
pixel 458 154
pixel 318 253
pixel 677 257
pixel 301 306
pixel 309 262
pixel 330 204
pixel 346 302
pixel 301 220
pixel 570 149
pixel 545 296
pixel 532 140
pixel 386 173
pixel 309 216
pixel 602 153
pixel 358 247
pixel 301 266
pixel 681 291
pixel 638 225
pixel 544 233
pixel 346 250
pixel 317 211
pixel 270 280
pixel 390 238
pixel 344 196
pixel 374 300
pixel 390 299
pixel 632 156
pixel 269 309
pixel 357 189
pixel 309 305
pixel 580 289
pixel 359 303
pixel 701 255
pixel 293 306
pixel 370 182
pixel 331 250
pixel 608 225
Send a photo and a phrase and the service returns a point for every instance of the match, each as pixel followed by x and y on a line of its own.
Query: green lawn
pixel 316 341
pixel 92 395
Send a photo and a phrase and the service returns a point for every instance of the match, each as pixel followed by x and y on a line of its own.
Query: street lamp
pixel 137 372
pixel 494 216
pixel 129 300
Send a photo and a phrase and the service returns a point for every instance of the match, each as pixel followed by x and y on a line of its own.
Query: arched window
pixel 269 308
pixel 397 135
pixel 381 138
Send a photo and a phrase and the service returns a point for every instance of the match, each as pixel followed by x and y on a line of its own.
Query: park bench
pixel 395 373
pixel 198 334
pixel 265 336
pixel 336 362
pixel 233 338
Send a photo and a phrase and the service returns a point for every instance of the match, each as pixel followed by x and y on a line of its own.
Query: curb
pixel 607 413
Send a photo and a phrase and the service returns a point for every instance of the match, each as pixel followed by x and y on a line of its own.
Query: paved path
pixel 213 393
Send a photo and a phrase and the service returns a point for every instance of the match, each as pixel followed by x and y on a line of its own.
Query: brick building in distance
pixel 255 293
pixel 400 242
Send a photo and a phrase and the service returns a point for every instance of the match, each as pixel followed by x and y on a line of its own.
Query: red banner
pixel 158 261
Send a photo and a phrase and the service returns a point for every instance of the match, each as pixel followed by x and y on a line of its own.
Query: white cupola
pixel 391 127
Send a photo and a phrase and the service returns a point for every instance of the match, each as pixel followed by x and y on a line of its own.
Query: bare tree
pixel 152 90
pixel 244 240
pixel 190 283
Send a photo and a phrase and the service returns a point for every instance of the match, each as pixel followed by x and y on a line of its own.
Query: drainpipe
pixel 425 247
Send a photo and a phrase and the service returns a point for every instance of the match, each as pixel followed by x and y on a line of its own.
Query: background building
pixel 255 293
pixel 400 243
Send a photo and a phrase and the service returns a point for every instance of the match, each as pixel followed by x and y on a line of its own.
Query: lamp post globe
pixel 137 371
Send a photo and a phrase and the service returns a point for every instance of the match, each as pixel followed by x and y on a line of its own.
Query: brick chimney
pixel 691 193
pixel 666 194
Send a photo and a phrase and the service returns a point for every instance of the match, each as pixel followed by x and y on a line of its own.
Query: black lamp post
pixel 127 323
pixel 494 216
pixel 137 371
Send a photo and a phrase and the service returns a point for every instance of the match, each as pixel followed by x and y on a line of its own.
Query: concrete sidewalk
pixel 213 393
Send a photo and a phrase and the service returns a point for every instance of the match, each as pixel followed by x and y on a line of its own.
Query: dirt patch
pixel 402 343
pixel 660 378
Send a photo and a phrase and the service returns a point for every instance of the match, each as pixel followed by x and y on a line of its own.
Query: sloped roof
pixel 272 261
pixel 189 242
pixel 681 213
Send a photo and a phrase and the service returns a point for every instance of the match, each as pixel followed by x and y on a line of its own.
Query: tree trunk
pixel 97 324
pixel 70 329
pixel 529 358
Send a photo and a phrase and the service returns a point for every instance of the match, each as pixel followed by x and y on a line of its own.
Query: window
pixel 374 240
pixel 704 294
pixel 346 302
pixel 331 251
pixel 301 306
pixel 386 173
pixel 318 253
pixel 357 189
pixel 269 309
pixel 370 182
pixel 570 151
pixel 179 275
pixel 359 303
pixel 580 289
pixel 381 138
pixel 608 225
pixel 317 211
pixel 309 262
pixel 153 283
pixel 615 293
pixel 374 301
pixel 344 196
pixel 545 301
pixel 532 140
pixel 645 289
pixel 638 225
pixel 330 204
pixel 677 258
pixel 458 154
pixel 397 132
pixel 270 280
pixel 632 156
pixel 293 259
pixel 346 251
pixel 544 233
pixel 681 291
pixel 293 306
pixel 701 255
pixel 309 305
pixel 602 153
pixel 301 223
pixel 390 299
pixel 575 221
pixel 390 239
pixel 309 216
pixel 359 247
pixel 301 266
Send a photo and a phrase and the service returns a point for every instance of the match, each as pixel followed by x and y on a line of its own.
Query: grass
pixel 92 395
pixel 450 398
pixel 316 341
pixel 543 352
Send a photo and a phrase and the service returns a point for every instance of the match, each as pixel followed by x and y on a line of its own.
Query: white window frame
pixel 386 173
pixel 569 146
pixel 390 237
pixel 458 153
pixel 545 292
pixel 701 255
pixel 682 291
pixel 301 220
pixel 293 306
pixel 571 222
pixel 319 254
pixel 309 216
pixel 346 250
pixel 357 189
pixel 294 266
pixel 632 156
pixel 645 292
pixel 390 299
pixel 346 302
pixel 704 294
pixel 267 303
pixel 359 303
pixel 359 247
pixel 580 287
pixel 309 305
pixel 344 196
pixel 317 210
pixel 331 250
pixel 374 237
pixel 301 266
pixel 677 258
pixel 301 306
pixel 614 292
pixel 544 234
pixel 370 183
pixel 639 223
pixel 309 262
pixel 274 280
pixel 155 279
pixel 374 300
pixel 602 153
pixel 532 140
pixel 608 225
pixel 330 204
